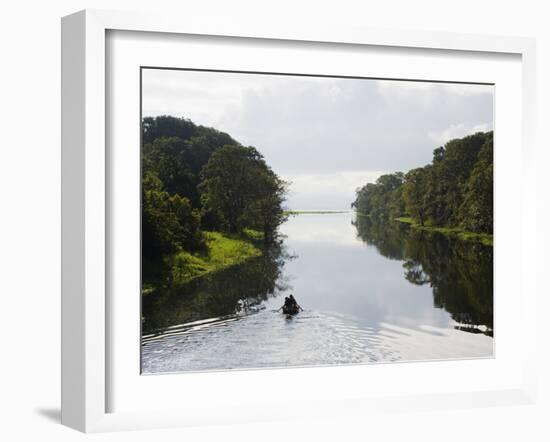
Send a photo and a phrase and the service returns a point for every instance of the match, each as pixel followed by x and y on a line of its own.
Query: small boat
pixel 291 310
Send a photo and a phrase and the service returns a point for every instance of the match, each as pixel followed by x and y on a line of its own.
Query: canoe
pixel 290 310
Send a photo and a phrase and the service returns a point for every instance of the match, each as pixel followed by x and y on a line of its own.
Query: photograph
pixel 293 220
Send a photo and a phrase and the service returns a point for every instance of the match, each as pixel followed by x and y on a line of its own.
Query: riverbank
pixel 221 251
pixel 483 238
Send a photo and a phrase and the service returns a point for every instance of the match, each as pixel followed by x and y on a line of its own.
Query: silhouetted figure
pixel 293 300
pixel 290 307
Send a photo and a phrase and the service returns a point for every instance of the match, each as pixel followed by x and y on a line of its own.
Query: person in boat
pixel 290 305
pixel 294 303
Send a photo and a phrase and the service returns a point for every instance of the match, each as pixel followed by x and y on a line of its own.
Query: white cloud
pixel 467 89
pixel 321 182
pixel 483 127
pixel 328 191
pixel 324 133
pixel 458 131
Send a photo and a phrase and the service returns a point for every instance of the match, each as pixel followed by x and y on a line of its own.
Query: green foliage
pixel 483 238
pixel 166 126
pixel 454 191
pixel 476 210
pixel 176 150
pixel 216 292
pixel 220 252
pixel 239 190
pixel 187 187
pixel 452 166
pixel 169 223
pixel 253 235
pixel 382 199
pixel 415 193
pixel 165 158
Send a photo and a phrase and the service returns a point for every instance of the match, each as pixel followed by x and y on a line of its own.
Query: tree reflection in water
pixel 460 273
pixel 236 290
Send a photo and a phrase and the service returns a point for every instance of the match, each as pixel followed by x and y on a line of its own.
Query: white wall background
pixel 30 214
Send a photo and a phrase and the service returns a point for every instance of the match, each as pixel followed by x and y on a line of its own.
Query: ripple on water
pixel 264 339
pixel 269 339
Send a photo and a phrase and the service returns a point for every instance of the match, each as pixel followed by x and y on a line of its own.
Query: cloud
pixel 327 129
pixel 326 190
pixel 458 131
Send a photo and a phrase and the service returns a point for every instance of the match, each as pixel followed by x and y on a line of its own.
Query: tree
pixel 266 212
pixel 166 126
pixel 164 158
pixel 169 223
pixel 239 190
pixel 476 210
pixel 452 165
pixel 455 190
pixel 415 192
pixel 176 150
pixel 382 199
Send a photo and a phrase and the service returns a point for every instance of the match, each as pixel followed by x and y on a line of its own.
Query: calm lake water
pixel 371 293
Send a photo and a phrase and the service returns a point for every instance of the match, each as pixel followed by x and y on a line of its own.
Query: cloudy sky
pixel 327 136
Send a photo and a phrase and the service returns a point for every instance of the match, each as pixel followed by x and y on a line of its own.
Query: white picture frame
pixel 86 204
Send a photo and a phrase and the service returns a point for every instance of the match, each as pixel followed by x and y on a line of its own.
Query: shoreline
pixel 222 251
pixel 464 235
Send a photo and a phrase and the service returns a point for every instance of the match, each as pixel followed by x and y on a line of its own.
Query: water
pixel 370 292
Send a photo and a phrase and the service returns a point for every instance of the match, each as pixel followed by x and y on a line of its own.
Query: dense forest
pixel 455 190
pixel 207 200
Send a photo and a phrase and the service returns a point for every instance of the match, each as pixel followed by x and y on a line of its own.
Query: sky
pixel 327 136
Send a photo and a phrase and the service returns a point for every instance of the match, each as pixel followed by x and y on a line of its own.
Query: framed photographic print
pixel 322 208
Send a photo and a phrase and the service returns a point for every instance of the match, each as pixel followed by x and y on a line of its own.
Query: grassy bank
pixel 221 251
pixel 464 235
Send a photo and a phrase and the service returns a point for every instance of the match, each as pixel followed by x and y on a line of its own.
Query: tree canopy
pixel 455 190
pixel 194 178
pixel 240 190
